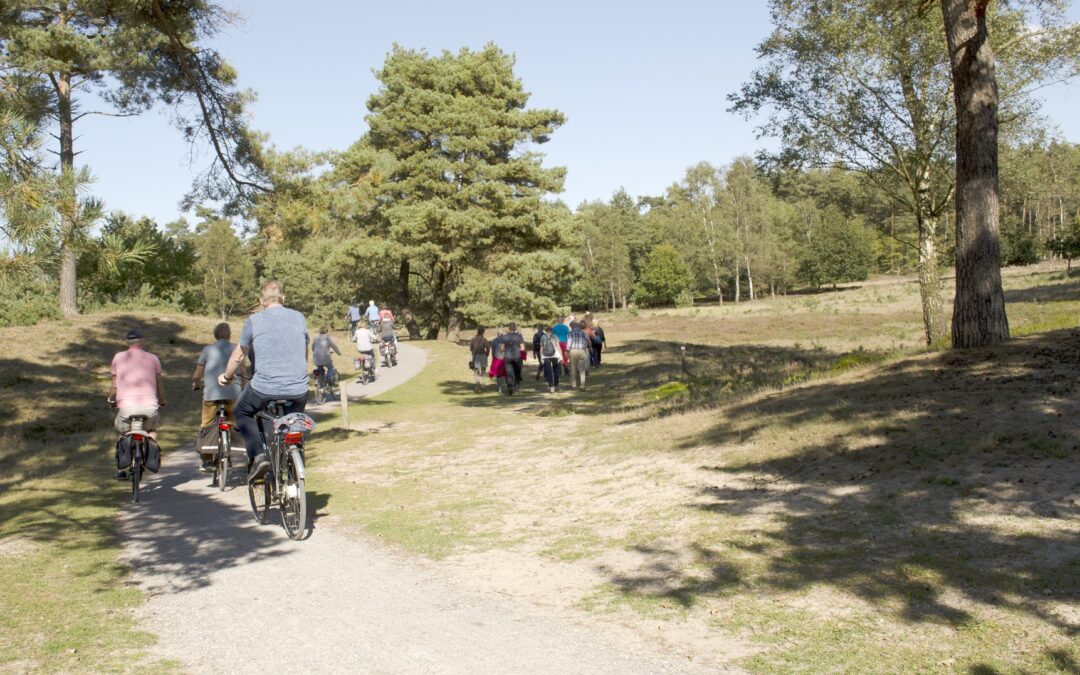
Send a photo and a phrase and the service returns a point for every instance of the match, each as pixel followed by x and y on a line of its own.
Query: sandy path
pixel 225 594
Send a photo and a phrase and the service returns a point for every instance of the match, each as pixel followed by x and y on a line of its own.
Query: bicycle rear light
pixel 138 437
pixel 294 437
pixel 224 426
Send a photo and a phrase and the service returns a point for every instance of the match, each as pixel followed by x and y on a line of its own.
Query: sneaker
pixel 551 390
pixel 120 475
pixel 206 467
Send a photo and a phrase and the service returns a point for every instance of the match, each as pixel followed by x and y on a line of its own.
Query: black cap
pixel 134 334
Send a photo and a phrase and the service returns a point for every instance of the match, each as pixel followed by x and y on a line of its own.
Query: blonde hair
pixel 271 292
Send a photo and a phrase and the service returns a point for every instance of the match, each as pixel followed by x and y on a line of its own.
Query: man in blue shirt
pixel 372 312
pixel 277 340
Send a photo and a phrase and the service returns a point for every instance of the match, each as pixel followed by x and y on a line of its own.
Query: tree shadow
pixel 954 490
pixel 1056 292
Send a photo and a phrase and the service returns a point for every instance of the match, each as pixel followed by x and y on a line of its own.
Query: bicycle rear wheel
pixel 259 496
pixel 320 392
pixel 222 466
pixel 136 478
pixel 294 497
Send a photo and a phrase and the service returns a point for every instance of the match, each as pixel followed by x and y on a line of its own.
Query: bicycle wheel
pixel 294 497
pixel 320 392
pixel 136 477
pixel 259 496
pixel 221 468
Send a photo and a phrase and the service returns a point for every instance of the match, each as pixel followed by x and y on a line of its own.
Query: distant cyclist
pixel 136 387
pixel 365 344
pixel 372 314
pixel 212 362
pixel 321 347
pixel 353 317
pixel 277 337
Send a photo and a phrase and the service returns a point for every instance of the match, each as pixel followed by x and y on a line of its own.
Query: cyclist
pixel 385 314
pixel 387 332
pixel 211 363
pixel 136 387
pixel 277 337
pixel 353 316
pixel 321 347
pixel 372 314
pixel 365 344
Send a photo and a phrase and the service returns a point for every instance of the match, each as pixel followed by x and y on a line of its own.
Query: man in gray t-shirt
pixel 212 362
pixel 277 340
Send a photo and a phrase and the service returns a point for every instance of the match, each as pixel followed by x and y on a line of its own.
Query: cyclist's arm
pixel 197 376
pixel 235 361
pixel 160 391
pixel 112 390
pixel 333 345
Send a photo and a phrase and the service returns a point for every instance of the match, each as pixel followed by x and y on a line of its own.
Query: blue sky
pixel 643 86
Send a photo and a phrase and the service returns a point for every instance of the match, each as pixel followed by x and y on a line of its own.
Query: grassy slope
pixel 63 603
pixel 816 491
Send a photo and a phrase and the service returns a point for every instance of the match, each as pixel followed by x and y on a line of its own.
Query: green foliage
pixel 664 277
pixel 26 299
pixel 226 269
pixel 517 287
pixel 840 250
pixel 458 188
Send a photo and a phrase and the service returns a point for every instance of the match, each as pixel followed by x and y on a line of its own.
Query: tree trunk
pixel 404 300
pixel 979 308
pixel 930 283
pixel 712 257
pixel 749 279
pixel 738 290
pixel 68 282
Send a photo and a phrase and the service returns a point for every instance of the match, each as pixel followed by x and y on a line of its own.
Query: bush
pixel 840 250
pixel 685 298
pixel 25 301
pixel 664 277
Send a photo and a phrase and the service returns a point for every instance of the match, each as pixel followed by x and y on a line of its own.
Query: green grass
pixel 64 602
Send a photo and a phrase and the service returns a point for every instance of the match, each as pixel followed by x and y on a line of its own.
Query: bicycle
pixel 365 365
pixel 138 450
pixel 279 481
pixel 388 351
pixel 223 455
pixel 325 387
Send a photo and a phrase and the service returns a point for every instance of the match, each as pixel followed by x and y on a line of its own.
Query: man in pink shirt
pixel 136 385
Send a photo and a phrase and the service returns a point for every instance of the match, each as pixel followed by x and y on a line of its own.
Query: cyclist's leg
pixel 247 407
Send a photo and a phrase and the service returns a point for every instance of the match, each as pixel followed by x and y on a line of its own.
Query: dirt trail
pixel 225 594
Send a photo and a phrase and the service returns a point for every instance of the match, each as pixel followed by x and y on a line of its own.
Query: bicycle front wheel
pixel 294 497
pixel 259 496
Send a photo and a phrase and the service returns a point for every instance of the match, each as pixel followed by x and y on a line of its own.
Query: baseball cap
pixel 134 334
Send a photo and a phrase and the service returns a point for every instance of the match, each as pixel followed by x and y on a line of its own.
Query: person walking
pixel 599 342
pixel 212 362
pixel 562 332
pixel 479 347
pixel 537 337
pixel 550 359
pixel 497 371
pixel 514 344
pixel 578 344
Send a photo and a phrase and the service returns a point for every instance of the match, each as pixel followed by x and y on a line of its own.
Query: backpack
pixel 547 347
pixel 500 350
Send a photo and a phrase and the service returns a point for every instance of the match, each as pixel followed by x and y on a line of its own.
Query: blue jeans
pixel 249 405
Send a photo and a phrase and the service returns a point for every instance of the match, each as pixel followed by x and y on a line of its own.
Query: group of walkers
pixel 277 334
pixel 570 347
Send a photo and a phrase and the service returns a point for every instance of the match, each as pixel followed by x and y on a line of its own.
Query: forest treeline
pixel 444 208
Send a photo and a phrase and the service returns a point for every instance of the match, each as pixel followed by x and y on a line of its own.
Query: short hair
pixel 480 330
pixel 512 326
pixel 324 328
pixel 222 331
pixel 272 291
pixel 575 324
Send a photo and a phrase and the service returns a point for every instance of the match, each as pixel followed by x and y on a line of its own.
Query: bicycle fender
pixel 298 462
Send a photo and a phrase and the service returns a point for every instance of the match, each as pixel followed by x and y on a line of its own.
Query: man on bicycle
pixel 372 313
pixel 353 316
pixel 321 347
pixel 276 337
pixel 136 387
pixel 365 344
pixel 212 362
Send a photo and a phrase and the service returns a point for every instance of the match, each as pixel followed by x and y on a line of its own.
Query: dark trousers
pixel 513 372
pixel 552 370
pixel 250 404
pixel 596 349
